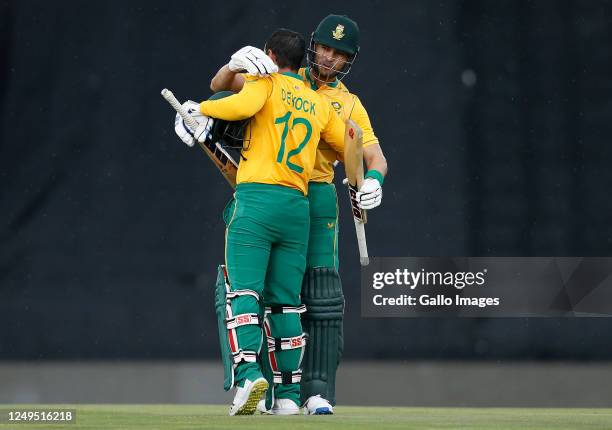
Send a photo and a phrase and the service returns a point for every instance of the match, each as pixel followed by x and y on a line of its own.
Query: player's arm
pixel 370 193
pixel 248 59
pixel 375 159
pixel 240 106
pixel 226 80
pixel 372 152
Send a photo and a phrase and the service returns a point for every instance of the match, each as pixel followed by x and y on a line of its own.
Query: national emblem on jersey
pixel 338 33
pixel 337 106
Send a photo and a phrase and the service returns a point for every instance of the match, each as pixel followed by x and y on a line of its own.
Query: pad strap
pixel 248 356
pixel 287 377
pixel 240 320
pixel 281 309
pixel 283 343
pixel 237 293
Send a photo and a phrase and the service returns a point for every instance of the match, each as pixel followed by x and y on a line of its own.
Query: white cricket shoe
pixel 285 407
pixel 280 407
pixel 247 396
pixel 317 405
pixel 261 407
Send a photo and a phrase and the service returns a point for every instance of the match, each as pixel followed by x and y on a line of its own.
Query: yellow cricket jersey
pixel 288 120
pixel 347 106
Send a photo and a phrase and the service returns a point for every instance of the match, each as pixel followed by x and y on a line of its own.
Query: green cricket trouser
pixel 265 251
pixel 323 237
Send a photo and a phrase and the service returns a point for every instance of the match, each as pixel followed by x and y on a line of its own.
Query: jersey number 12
pixel 281 152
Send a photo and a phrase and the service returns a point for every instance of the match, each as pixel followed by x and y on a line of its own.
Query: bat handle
pixel 361 243
pixel 191 122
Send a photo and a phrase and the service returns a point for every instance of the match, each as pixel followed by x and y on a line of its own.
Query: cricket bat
pixel 219 156
pixel 353 165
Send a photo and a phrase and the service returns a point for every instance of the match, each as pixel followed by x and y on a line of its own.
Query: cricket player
pixel 267 230
pixel 332 51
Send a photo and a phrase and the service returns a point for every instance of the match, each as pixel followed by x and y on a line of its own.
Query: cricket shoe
pixel 317 405
pixel 261 407
pixel 280 407
pixel 247 396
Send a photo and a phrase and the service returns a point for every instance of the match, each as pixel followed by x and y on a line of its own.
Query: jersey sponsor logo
pixel 331 224
pixel 298 103
pixel 338 33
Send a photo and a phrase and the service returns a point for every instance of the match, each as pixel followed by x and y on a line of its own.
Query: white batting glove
pixel 186 133
pixel 369 195
pixel 253 60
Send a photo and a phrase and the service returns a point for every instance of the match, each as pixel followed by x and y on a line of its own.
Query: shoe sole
pixel 250 406
pixel 285 412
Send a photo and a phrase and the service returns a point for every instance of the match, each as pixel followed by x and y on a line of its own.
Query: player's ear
pixel 270 54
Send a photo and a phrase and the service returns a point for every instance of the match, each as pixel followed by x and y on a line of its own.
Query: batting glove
pixel 369 195
pixel 186 133
pixel 253 60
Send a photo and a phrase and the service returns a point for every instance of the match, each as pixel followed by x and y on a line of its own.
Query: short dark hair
pixel 288 47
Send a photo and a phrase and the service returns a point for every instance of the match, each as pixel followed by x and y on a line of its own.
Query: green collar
pixel 293 75
pixel 313 83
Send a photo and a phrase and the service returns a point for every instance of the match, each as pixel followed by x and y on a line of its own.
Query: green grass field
pixel 174 417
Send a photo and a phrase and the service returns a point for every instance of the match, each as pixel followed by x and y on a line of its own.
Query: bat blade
pixel 353 165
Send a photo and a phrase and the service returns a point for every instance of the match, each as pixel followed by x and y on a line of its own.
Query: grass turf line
pixel 183 417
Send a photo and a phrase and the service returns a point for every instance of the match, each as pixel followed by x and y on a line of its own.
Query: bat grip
pixel 361 243
pixel 191 122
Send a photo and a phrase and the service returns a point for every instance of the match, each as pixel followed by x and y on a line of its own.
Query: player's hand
pixel 186 133
pixel 253 60
pixel 369 195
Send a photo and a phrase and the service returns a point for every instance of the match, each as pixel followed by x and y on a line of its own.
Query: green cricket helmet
pixel 231 134
pixel 338 32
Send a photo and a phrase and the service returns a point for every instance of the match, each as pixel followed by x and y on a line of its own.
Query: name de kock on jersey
pixel 298 103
